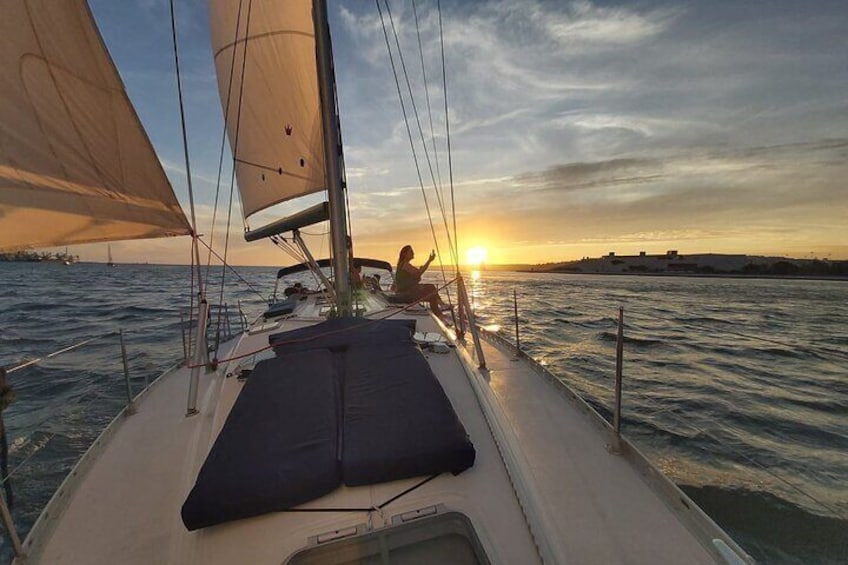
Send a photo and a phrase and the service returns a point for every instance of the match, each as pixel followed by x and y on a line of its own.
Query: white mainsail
pixel 274 118
pixel 75 164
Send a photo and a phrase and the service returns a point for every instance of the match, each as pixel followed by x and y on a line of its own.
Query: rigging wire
pixel 234 271
pixel 447 130
pixel 420 129
pixel 427 95
pixel 295 252
pixel 409 134
pixel 195 258
pixel 440 190
pixel 406 121
pixel 235 156
pixel 223 140
pixel 412 144
pixel 321 234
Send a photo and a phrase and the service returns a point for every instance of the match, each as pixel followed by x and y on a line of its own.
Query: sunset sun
pixel 476 255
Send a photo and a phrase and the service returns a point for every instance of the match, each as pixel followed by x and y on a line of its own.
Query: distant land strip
pixel 674 263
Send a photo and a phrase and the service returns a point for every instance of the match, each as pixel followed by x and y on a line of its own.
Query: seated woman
pixel 408 281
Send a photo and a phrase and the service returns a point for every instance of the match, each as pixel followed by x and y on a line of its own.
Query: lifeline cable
pixel 821 351
pixel 750 460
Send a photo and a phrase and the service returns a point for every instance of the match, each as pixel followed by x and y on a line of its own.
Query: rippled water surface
pixel 736 388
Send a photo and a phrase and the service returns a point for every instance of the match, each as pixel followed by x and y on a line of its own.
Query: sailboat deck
pixel 543 487
pixel 602 511
pixel 119 514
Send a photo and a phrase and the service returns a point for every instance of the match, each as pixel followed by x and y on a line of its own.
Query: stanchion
pixel 6 397
pixel 619 363
pixel 517 337
pixel 200 358
pixel 130 405
pixel 472 322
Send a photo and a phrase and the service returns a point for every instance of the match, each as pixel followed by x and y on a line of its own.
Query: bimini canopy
pixel 268 83
pixel 357 262
pixel 75 164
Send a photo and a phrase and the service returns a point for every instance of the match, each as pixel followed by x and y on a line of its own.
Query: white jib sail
pixel 75 163
pixel 273 119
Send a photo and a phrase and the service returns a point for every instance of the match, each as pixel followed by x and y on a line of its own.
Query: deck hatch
pixel 444 538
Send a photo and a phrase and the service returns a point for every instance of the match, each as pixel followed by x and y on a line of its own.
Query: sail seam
pixel 264 36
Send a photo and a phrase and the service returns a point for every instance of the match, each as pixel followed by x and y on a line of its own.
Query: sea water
pixel 736 388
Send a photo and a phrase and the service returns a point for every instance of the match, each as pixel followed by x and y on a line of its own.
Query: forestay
pixel 273 118
pixel 75 164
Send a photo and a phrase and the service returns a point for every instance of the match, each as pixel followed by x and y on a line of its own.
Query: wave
pixel 799 536
pixel 684 360
pixel 629 340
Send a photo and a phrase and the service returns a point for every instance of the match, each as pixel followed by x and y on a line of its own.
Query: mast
pixel 332 157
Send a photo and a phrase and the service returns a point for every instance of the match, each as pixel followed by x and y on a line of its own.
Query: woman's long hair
pixel 403 258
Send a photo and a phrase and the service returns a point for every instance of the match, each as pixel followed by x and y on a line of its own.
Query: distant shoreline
pixel 698 275
pixel 515 269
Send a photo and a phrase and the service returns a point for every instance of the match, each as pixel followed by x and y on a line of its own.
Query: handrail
pixel 664 409
pixel 59 352
pixel 5 514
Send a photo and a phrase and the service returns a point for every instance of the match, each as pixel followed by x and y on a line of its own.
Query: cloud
pixel 583 23
pixel 572 123
pixel 581 176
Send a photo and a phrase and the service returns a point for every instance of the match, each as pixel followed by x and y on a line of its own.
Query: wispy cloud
pixel 574 125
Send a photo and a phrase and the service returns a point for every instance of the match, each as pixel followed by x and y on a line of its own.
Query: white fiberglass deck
pixel 543 484
pixel 127 507
pixel 601 510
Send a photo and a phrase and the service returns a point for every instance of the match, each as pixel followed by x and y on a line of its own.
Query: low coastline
pixel 694 275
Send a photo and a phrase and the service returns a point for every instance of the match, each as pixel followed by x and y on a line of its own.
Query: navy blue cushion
pixel 281 308
pixel 398 422
pixel 339 334
pixel 278 447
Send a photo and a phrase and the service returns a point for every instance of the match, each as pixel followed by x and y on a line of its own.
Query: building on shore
pixel 699 263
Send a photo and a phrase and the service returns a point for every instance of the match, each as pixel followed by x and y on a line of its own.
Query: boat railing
pixel 224 322
pixel 615 418
pixel 133 383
